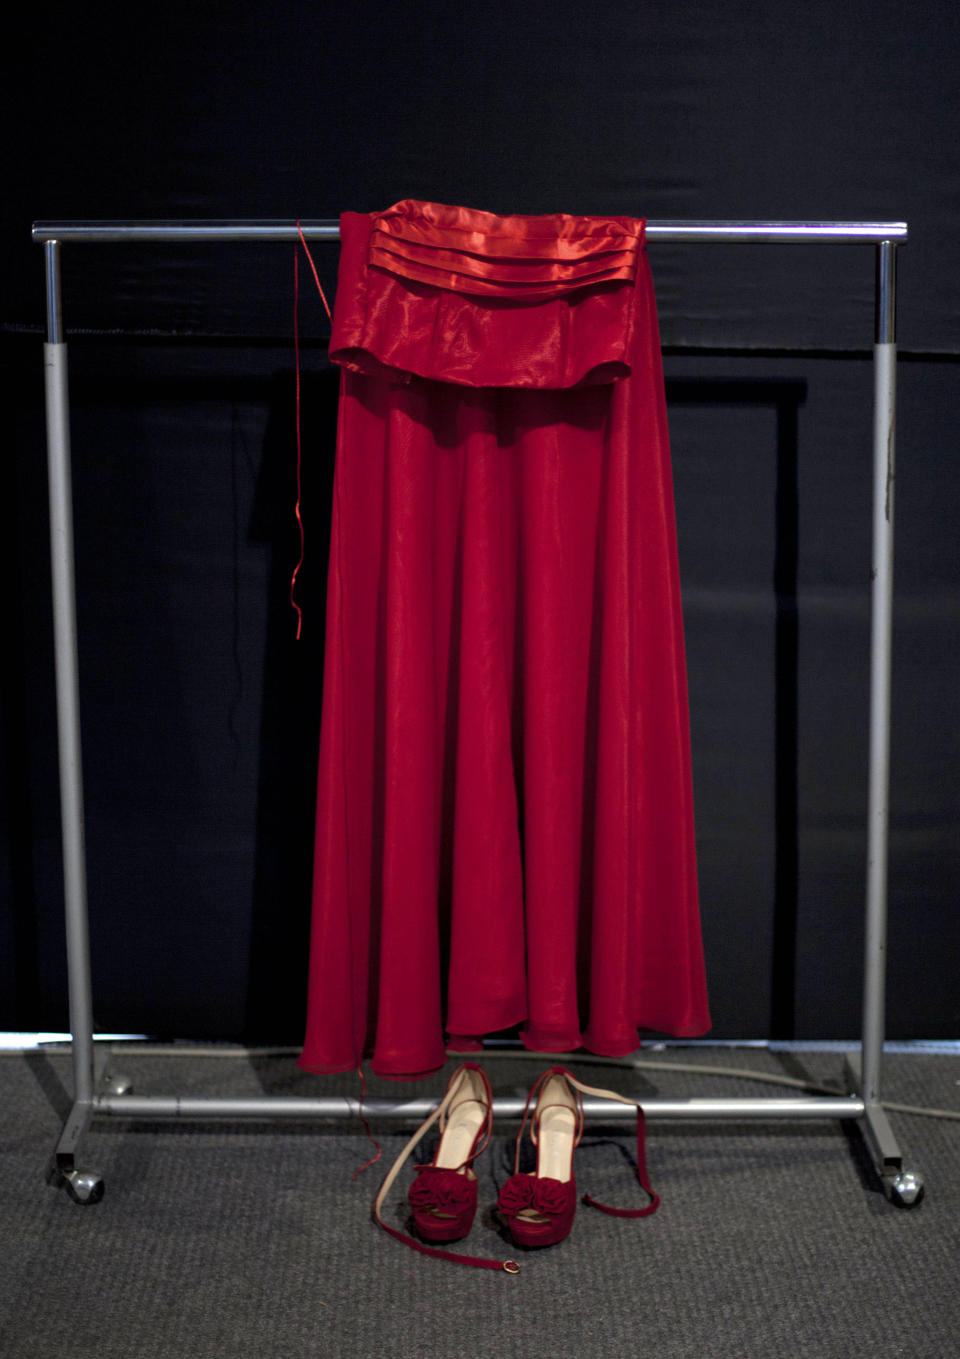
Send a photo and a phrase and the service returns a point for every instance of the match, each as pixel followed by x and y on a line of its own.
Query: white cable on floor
pixel 739 1073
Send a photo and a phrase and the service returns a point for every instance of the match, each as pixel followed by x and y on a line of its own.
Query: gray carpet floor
pixel 247 1240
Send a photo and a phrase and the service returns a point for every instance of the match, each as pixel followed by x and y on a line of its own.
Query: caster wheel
pixel 84 1186
pixel 117 1085
pixel 905 1189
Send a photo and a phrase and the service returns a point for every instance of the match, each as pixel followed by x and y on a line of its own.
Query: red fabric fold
pixel 520 280
pixel 505 817
pixel 524 258
pixel 438 293
pixel 554 236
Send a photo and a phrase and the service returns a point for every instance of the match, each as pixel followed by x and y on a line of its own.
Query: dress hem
pixel 460 1044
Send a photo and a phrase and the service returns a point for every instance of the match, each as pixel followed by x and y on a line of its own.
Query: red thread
pixel 296 354
pixel 366 1126
pixel 316 276
pixel 296 364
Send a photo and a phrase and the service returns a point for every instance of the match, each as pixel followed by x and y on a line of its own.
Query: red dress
pixel 505 819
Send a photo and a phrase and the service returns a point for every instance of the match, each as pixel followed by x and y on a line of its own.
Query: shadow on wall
pixel 783 397
pixel 292 690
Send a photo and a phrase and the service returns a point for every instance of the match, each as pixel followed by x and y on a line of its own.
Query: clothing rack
pixel 96 1094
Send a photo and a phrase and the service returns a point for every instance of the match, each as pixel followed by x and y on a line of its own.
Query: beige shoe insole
pixel 555 1139
pixel 555 1147
pixel 459 1135
pixel 466 1118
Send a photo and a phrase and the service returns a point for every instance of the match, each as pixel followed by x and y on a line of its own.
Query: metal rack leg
pixel 903 1187
pixel 84 1185
pixel 63 1165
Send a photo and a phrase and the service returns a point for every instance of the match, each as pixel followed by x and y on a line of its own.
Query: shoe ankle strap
pixel 534 1098
pixel 642 1176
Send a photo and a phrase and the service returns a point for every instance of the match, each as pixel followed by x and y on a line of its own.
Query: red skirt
pixel 504 820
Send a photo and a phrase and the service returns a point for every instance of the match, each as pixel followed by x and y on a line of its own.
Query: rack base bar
pixel 83 1186
pixel 415 1110
pixel 903 1187
pixel 72 1134
pixel 884 1147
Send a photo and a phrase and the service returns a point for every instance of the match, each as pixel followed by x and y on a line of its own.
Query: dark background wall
pixel 199 709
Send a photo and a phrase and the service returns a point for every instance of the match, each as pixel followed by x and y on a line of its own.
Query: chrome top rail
pixel 328 230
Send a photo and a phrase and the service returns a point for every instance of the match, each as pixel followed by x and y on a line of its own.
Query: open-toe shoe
pixel 443 1196
pixel 539 1208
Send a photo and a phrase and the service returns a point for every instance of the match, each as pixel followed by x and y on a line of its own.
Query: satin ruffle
pixel 462 296
pixel 504 813
pixel 522 258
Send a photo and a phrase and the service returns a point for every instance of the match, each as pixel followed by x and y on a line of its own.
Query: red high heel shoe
pixel 443 1197
pixel 539 1208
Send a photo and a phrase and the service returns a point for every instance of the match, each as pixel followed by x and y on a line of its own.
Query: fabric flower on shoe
pixel 542 1194
pixel 439 1188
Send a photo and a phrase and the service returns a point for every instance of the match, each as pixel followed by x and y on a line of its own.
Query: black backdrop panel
pixel 200 710
pixel 727 110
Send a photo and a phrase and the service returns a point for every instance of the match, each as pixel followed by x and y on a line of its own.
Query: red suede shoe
pixel 539 1208
pixel 443 1197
